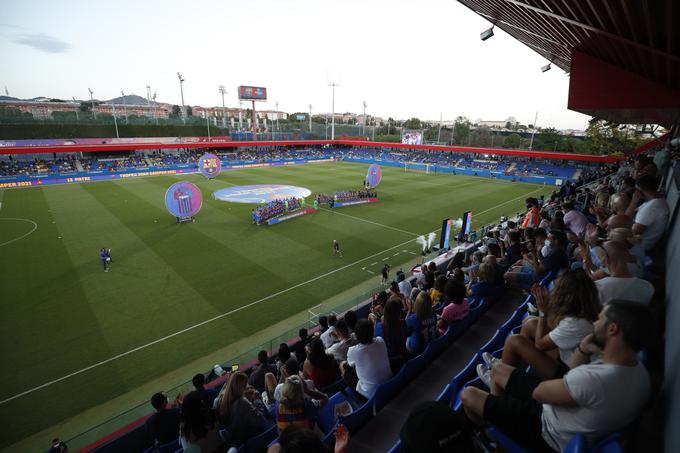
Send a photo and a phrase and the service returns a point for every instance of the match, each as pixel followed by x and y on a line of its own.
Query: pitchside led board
pixel 447 226
pixel 246 93
pixel 183 200
pixel 210 166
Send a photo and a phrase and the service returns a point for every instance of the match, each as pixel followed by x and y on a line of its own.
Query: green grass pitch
pixel 61 313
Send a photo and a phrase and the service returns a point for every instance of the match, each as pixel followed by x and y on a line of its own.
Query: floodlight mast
pixel 181 91
pixel 223 91
pixel 363 125
pixel 533 131
pixel 333 84
pixel 124 106
pixel 74 100
pixel 94 114
pixel 310 118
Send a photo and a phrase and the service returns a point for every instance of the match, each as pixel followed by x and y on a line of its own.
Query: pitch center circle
pixel 260 193
pixel 34 226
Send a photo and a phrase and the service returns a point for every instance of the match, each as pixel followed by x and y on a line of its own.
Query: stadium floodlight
pixel 363 125
pixel 223 91
pixel 92 101
pixel 181 91
pixel 310 118
pixel 124 106
pixel 77 108
pixel 277 118
pixel 333 84
pixel 486 34
pixel 546 68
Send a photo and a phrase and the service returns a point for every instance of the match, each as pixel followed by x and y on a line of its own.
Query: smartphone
pixel 234 367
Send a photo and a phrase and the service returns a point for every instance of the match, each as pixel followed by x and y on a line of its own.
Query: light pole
pixel 439 134
pixel 77 108
pixel 310 118
pixel 224 109
pixel 92 101
pixel 115 121
pixel 363 125
pixel 278 129
pixel 154 107
pixel 240 119
pixel 207 123
pixel 533 131
pixel 333 84
pixel 124 106
pixel 181 91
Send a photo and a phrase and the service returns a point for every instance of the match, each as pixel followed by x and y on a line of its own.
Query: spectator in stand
pixel 575 220
pixel 569 312
pixel 198 428
pixel 404 285
pixel 199 384
pixel 327 337
pixel 421 323
pixel 533 215
pixel 368 363
pixel 392 329
pixel 482 283
pixel 274 388
pixel 294 439
pixel 537 265
pixel 513 252
pixel 545 220
pixel 594 399
pixel 351 319
pixel 323 323
pixel 163 425
pixel 644 166
pixel 282 356
pixel 651 216
pixel 437 293
pixel 263 367
pixel 299 348
pixel 236 410
pixel 633 243
pixel 459 307
pixel 622 284
pixel 294 409
pixel 319 366
pixel 344 340
pixel 662 160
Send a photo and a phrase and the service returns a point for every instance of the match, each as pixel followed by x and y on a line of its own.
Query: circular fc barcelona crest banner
pixel 210 166
pixel 183 199
pixel 374 175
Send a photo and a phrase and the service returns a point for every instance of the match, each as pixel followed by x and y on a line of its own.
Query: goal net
pixel 417 167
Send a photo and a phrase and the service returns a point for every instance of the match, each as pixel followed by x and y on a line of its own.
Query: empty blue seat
pixel 577 444
pixel 359 417
pixel 458 403
pixel 386 391
pixel 467 373
pixel 455 330
pixel 417 364
pixel 610 444
pixel 438 345
pixel 259 443
pixel 496 342
pixel 445 395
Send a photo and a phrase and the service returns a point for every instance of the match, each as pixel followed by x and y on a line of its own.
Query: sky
pixel 403 58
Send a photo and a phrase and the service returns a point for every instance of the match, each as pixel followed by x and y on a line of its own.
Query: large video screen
pixel 412 137
pixel 248 93
pixel 445 236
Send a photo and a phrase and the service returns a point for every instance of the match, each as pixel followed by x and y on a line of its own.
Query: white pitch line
pixel 385 259
pixel 215 318
pixel 187 329
pixel 373 264
pixel 363 268
pixel 369 221
pixel 412 253
pixel 35 227
pixel 396 254
pixel 509 201
pixel 370 271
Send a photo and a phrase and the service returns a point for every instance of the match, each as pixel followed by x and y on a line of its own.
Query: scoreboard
pixel 247 93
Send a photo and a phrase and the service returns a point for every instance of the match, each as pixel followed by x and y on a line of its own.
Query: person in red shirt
pixel 533 215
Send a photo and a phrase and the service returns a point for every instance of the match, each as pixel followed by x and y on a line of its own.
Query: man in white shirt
pixel 339 348
pixel 404 285
pixel 651 216
pixel 594 399
pixel 327 337
pixel 621 284
pixel 574 220
pixel 369 360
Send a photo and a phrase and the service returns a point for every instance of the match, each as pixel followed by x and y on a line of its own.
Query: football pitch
pixel 74 337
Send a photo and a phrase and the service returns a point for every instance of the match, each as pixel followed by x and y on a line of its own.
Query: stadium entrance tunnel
pixel 260 193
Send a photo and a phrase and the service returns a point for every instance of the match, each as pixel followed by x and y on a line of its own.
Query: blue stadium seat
pixel 259 443
pixel 359 417
pixel 509 445
pixel 474 315
pixel 386 391
pixel 326 418
pixel 577 444
pixel 445 395
pixel 417 364
pixel 396 448
pixel 438 345
pixel 329 440
pixel 496 342
pixel 458 403
pixel 334 387
pixel 610 444
pixel 455 330
pixel 465 374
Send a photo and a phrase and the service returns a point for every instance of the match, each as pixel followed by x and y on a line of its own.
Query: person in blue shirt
pixel 105 259
pixel 421 323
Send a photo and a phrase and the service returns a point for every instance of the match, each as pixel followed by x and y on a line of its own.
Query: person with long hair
pixel 236 411
pixel 319 366
pixel 198 427
pixel 393 330
pixel 567 317
pixel 293 409
pixel 421 323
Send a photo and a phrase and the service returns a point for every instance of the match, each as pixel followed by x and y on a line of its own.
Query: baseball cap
pixel 435 427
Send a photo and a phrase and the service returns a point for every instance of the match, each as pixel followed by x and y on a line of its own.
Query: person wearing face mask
pixel 538 265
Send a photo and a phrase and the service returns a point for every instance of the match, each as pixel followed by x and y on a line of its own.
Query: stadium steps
pixel 382 431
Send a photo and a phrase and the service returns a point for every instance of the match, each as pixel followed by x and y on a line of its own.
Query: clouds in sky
pixel 42 42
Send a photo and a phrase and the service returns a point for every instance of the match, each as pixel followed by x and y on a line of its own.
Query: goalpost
pixel 417 167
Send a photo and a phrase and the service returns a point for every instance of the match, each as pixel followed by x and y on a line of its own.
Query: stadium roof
pixel 634 43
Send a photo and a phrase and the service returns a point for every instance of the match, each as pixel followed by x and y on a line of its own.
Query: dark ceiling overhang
pixel 635 36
